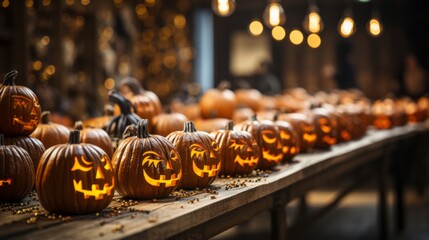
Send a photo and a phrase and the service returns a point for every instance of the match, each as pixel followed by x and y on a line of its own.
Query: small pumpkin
pixel 166 123
pixel 324 128
pixel 20 108
pixel 306 132
pixel 117 124
pixel 267 136
pixel 50 133
pixel 146 166
pixel 218 102
pixel 288 137
pixel 238 151
pixel 95 136
pixel 249 97
pixel 211 124
pixel 146 103
pixel 16 172
pixel 33 146
pixel 199 153
pixel 75 178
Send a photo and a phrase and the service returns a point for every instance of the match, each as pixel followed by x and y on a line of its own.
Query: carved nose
pixel 212 154
pixel 168 165
pixel 99 174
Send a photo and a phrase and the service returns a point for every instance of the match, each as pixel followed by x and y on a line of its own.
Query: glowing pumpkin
pixel 289 138
pixel 75 178
pixel 146 166
pixel 268 138
pixel 324 128
pixel 199 153
pixel 303 125
pixel 20 108
pixel 16 172
pixel 238 151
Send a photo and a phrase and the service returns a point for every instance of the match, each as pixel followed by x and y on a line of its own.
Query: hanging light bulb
pixel 274 14
pixel 223 8
pixel 313 22
pixel 346 26
pixel 374 26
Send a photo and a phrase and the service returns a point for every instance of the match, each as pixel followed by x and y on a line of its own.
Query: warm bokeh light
pixel 296 37
pixel 50 70
pixel 85 2
pixel 45 40
pixel 29 3
pixel 141 10
pixel 223 8
pixel 256 28
pixel 374 27
pixel 5 3
pixel 150 2
pixel 314 40
pixel 37 65
pixel 179 21
pixel 109 83
pixel 278 33
pixel 347 27
pixel 274 14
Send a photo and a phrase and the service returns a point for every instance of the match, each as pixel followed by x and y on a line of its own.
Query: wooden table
pixel 229 201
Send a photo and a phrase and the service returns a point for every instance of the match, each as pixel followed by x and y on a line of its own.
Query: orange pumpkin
pixel 166 123
pixel 218 102
pixel 50 133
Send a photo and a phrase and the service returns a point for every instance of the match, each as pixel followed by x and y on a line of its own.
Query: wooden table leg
pixel 278 218
pixel 382 199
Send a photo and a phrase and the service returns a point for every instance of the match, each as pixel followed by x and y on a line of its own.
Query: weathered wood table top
pixel 160 219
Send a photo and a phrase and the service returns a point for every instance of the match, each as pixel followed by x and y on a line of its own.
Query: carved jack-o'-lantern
pixel 289 138
pixel 306 132
pixel 325 130
pixel 75 178
pixel 146 166
pixel 268 138
pixel 199 153
pixel 20 108
pixel 238 151
pixel 16 172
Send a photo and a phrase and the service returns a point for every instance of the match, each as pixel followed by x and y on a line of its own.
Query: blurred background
pixel 72 52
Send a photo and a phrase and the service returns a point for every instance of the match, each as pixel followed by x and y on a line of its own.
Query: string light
pixel 256 28
pixel 374 26
pixel 274 14
pixel 346 26
pixel 223 8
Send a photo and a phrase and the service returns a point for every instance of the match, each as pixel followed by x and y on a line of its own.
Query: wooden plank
pixel 170 217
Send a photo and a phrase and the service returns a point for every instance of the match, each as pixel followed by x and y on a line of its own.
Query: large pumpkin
pixel 16 172
pixel 166 123
pixel 268 138
pixel 117 124
pixel 238 151
pixel 20 108
pixel 50 133
pixel 33 146
pixel 199 153
pixel 218 102
pixel 146 166
pixel 95 136
pixel 75 178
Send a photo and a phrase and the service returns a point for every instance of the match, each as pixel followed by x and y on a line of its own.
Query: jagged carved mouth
pixel 271 157
pixel 171 182
pixel 95 191
pixel 211 171
pixel 6 182
pixel 250 161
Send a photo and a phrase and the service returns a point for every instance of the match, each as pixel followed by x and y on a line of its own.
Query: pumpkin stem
pixel 253 118
pixel 78 125
pixel 229 126
pixel 123 103
pixel 9 78
pixel 190 127
pixel 276 117
pixel 45 117
pixel 142 129
pixel 223 85
pixel 74 137
pixel 133 84
pixel 1 140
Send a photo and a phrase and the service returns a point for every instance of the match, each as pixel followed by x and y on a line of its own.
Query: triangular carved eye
pixel 197 150
pixel 174 155
pixel 107 166
pixel 152 159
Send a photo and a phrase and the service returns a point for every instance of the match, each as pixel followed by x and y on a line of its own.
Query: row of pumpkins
pixel 77 171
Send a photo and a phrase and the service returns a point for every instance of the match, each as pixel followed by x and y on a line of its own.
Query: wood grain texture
pixel 209 212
